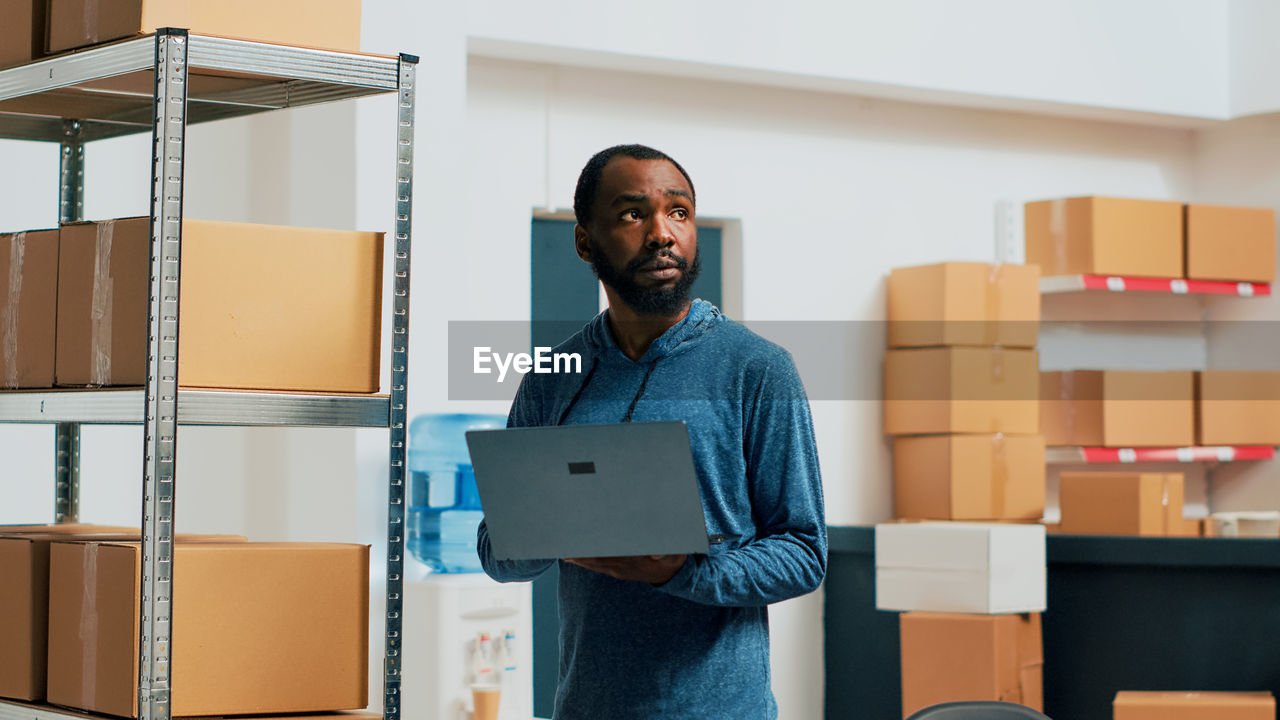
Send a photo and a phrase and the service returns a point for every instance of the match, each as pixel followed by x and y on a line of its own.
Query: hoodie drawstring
pixel 636 399
pixel 595 362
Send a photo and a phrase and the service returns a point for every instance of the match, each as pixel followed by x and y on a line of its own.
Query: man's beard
pixel 654 301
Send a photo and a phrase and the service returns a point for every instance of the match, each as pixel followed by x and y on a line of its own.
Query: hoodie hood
pixel 678 338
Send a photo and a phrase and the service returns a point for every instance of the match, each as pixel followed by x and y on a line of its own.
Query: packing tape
pixel 997 376
pixel 1066 393
pixel 991 306
pixel 89 625
pixel 1058 235
pixel 1164 504
pixel 999 476
pixel 90 21
pixel 9 315
pixel 100 311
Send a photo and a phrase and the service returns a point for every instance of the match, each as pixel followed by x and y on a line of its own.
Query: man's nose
pixel 660 232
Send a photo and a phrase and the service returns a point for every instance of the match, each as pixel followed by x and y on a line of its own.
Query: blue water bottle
pixel 444 505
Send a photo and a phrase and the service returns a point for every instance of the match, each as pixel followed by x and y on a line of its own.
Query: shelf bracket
pixel 399 390
pixel 160 393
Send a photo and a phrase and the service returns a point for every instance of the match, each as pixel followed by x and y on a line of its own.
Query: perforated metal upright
pixel 268 77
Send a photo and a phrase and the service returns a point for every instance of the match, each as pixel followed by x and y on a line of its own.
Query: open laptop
pixel 589 490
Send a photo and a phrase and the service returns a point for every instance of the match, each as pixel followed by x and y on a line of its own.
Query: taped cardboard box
pixel 24 605
pixel 1130 705
pixel 960 567
pixel 1238 407
pixel 961 390
pixel 324 24
pixel 969 477
pixel 28 307
pixel 244 323
pixel 257 627
pixel 1114 408
pixel 951 658
pixel 964 303
pixel 68 529
pixel 1231 243
pixel 1105 236
pixel 22 31
pixel 1124 503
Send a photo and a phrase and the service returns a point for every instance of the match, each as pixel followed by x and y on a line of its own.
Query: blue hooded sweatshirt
pixel 696 646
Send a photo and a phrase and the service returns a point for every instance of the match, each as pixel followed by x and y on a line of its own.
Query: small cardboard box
pixel 257 627
pixel 22 30
pixel 24 604
pixel 961 390
pixel 326 24
pixel 1124 503
pixel 28 306
pixel 969 477
pixel 261 307
pixel 1129 705
pixel 1231 243
pixel 1238 407
pixel 1114 408
pixel 960 567
pixel 1105 236
pixel 964 303
pixel 951 658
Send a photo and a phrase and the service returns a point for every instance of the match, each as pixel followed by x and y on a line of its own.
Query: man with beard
pixel 676 636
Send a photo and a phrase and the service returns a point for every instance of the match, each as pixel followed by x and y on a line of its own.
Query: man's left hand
pixel 653 569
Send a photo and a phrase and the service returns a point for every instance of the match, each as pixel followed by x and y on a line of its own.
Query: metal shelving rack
pixel 159 84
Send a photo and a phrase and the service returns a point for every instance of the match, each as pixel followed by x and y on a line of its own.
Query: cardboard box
pixel 1231 243
pixel 22 30
pixel 1105 236
pixel 1238 407
pixel 1129 705
pixel 964 303
pixel 262 307
pixel 257 627
pixel 24 605
pixel 326 24
pixel 960 567
pixel 952 658
pixel 1117 408
pixel 969 477
pixel 28 306
pixel 67 529
pixel 1124 503
pixel 961 390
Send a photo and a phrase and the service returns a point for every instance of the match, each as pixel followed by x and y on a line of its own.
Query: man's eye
pixel 631 215
pixel 680 213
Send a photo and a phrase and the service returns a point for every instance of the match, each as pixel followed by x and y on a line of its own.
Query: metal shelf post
pixel 67 434
pixel 160 415
pixel 399 388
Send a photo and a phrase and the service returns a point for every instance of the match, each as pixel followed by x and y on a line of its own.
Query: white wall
pixel 1095 56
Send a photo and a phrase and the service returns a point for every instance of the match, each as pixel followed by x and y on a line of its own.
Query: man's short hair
pixel 589 181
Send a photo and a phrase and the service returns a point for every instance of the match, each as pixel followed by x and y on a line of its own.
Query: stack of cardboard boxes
pixel 1132 409
pixel 263 307
pixel 961 402
pixel 258 628
pixel 31 29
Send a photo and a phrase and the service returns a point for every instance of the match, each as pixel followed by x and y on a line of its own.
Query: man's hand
pixel 653 569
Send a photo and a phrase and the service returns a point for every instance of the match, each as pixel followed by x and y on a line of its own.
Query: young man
pixel 676 636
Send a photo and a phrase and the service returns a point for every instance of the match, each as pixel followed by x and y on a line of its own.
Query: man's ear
pixel 582 243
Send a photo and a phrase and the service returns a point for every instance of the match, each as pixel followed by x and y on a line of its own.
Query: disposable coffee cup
pixel 485 698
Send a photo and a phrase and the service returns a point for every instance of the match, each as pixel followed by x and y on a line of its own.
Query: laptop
pixel 589 490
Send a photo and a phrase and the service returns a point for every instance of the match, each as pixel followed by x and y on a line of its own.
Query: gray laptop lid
pixel 589 490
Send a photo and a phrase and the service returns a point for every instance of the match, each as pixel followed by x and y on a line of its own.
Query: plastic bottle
pixel 444 506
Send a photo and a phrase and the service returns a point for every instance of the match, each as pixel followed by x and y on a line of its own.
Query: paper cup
pixel 485 698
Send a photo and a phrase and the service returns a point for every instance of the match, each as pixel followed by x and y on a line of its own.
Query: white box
pixel 981 568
